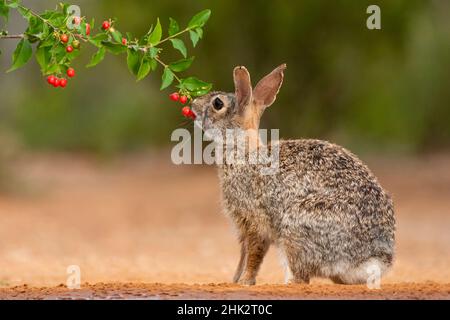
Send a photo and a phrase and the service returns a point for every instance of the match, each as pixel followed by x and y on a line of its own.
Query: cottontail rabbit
pixel 323 208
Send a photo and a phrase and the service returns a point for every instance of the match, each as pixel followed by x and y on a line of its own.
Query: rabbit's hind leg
pixel 252 256
pixel 367 272
pixel 297 271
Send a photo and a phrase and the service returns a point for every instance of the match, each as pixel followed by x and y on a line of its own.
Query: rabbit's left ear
pixel 267 89
pixel 243 87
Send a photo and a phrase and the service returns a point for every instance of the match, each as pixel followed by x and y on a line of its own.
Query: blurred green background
pixel 370 90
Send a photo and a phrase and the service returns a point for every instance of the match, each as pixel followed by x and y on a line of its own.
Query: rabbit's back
pixel 338 201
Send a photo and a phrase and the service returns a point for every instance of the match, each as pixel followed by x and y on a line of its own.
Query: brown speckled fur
pixel 323 209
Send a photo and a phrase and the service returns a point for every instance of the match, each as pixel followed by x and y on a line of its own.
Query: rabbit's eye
pixel 217 104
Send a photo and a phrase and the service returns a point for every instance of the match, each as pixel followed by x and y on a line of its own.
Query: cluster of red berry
pixel 187 112
pixel 61 82
pixel 75 44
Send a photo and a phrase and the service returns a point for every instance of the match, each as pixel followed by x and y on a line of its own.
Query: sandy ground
pixel 141 227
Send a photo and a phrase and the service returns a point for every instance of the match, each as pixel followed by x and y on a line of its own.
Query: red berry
pixel 71 72
pixel 124 41
pixel 186 111
pixel 63 82
pixel 183 99
pixel 51 79
pixel 64 38
pixel 88 29
pixel 192 115
pixel 56 83
pixel 174 96
pixel 106 25
pixel 69 49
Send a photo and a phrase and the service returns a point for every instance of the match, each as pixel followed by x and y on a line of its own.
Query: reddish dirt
pixel 159 291
pixel 140 224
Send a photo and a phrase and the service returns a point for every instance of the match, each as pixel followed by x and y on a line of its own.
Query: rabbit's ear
pixel 267 89
pixel 243 86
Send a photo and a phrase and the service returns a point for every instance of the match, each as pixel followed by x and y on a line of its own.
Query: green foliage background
pixel 373 91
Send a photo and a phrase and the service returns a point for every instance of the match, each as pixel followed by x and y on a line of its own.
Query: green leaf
pixel 153 52
pixel 58 52
pixel 4 10
pixel 199 32
pixel 167 78
pixel 58 19
pixel 37 29
pixel 21 55
pixel 147 34
pixel 35 25
pixel 114 48
pixel 72 56
pixel 181 65
pixel 13 4
pixel 97 39
pixel 25 12
pixel 117 36
pixel 179 45
pixel 194 37
pixel 195 86
pixel 144 69
pixel 133 61
pixel 153 64
pixel 200 19
pixel 156 34
pixel 43 57
pixel 47 42
pixel 97 57
pixel 54 69
pixel 173 27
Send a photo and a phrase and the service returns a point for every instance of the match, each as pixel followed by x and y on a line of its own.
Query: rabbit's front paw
pixel 247 282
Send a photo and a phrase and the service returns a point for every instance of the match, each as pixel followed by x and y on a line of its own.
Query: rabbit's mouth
pixel 198 118
pixel 202 120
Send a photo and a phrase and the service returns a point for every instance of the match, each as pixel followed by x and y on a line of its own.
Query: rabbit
pixel 323 208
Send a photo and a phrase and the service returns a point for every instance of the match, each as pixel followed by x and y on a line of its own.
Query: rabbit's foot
pixel 297 281
pixel 247 282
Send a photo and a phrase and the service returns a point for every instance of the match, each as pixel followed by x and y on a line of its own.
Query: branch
pixel 166 66
pixel 12 36
pixel 173 36
pixel 60 61
pixel 37 16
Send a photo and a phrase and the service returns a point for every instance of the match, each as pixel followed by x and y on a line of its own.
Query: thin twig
pixel 166 66
pixel 172 36
pixel 38 16
pixel 12 36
